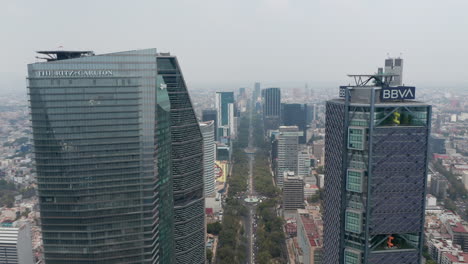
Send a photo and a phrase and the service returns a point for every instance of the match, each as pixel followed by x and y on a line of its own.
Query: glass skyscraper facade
pixel 187 166
pixel 271 100
pixel 208 115
pixel 105 140
pixel 288 148
pixel 209 157
pixel 295 115
pixel 225 115
pixel 376 165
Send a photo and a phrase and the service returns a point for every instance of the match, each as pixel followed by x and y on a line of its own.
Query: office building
pixel 293 192
pixel 187 165
pixel 256 91
pixel 209 152
pixel 295 115
pixel 223 152
pixel 439 186
pixel 15 245
pixel 225 115
pixel 208 115
pixel 241 102
pixel 271 101
pixel 376 165
pixel 287 152
pixel 242 94
pixel 303 163
pixel 437 145
pixel 119 158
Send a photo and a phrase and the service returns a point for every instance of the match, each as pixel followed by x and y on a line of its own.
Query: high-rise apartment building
pixel 287 152
pixel 271 100
pixel 225 115
pixel 293 192
pixel 376 164
pixel 209 152
pixel 15 245
pixel 295 115
pixel 119 158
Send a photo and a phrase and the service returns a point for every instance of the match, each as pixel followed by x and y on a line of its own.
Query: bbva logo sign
pixel 397 93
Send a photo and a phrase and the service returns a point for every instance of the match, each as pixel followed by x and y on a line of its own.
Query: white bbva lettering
pixel 409 92
pixel 386 94
pixel 402 93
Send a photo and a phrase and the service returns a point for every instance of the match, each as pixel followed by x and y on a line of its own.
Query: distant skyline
pixel 235 43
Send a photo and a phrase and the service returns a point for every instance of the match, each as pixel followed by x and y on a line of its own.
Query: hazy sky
pixel 237 42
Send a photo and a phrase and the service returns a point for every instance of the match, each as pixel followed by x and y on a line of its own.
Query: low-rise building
pixel 454 258
pixel 437 247
pixel 309 237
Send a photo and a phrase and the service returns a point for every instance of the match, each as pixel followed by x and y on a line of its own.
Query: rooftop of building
pixel 312 231
pixel 54 55
pixel 457 257
pixel 206 123
pixel 459 228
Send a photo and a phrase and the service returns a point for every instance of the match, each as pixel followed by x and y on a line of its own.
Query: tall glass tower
pixel 105 140
pixel 225 115
pixel 209 157
pixel 295 115
pixel 271 100
pixel 187 166
pixel 375 171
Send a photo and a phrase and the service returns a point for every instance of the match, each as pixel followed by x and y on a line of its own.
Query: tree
pixel 449 205
pixel 26 212
pixel 314 198
pixel 214 228
pixel 264 257
pixel 320 170
pixel 209 255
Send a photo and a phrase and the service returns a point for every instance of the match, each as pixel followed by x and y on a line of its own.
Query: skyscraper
pixel 15 245
pixel 271 100
pixel 295 115
pixel 375 182
pixel 187 166
pixel 256 91
pixel 242 94
pixel 225 115
pixel 208 115
pixel 118 157
pixel 293 192
pixel 209 150
pixel 303 163
pixel 287 152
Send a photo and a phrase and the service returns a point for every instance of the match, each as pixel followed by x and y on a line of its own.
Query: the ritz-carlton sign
pixel 78 73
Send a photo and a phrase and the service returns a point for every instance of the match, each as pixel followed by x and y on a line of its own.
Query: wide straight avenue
pixel 251 199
